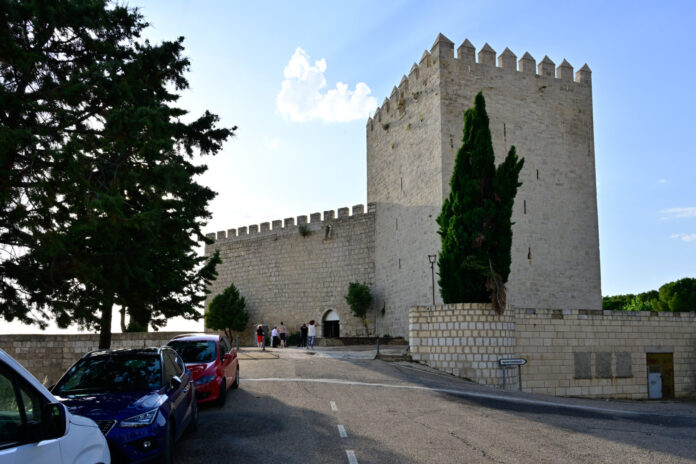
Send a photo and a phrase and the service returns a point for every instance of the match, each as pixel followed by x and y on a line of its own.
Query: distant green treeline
pixel 677 296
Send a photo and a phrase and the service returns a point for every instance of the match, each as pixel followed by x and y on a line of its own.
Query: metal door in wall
pixel 331 329
pixel 662 363
pixel 331 324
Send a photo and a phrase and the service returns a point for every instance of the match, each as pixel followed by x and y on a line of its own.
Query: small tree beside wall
pixel 359 299
pixel 227 312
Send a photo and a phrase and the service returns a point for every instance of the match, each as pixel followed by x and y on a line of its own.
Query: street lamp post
pixel 431 258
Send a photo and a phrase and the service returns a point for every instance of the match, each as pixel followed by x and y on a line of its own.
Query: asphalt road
pixel 338 408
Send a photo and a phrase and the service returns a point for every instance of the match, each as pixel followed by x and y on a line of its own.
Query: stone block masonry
pixel 569 352
pixel 412 141
pixel 47 357
pixel 465 340
pixel 298 271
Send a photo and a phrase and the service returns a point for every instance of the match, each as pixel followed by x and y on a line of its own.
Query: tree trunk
pixel 140 314
pixel 123 319
pixel 105 325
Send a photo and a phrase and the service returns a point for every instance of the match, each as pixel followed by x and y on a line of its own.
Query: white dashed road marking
pixel 342 431
pixel 333 406
pixel 351 457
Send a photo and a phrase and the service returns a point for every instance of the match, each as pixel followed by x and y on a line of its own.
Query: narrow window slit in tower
pixel 537 174
pixel 402 184
pixel 399 263
pixel 525 206
pixel 396 222
pixel 529 255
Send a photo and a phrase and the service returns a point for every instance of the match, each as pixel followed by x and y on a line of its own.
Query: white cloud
pixel 685 237
pixel 303 96
pixel 273 144
pixel 662 181
pixel 675 213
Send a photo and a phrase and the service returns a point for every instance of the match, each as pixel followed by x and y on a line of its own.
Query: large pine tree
pixel 98 200
pixel 475 222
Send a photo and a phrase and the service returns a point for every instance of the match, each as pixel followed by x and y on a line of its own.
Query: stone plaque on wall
pixel 583 365
pixel 623 364
pixel 603 365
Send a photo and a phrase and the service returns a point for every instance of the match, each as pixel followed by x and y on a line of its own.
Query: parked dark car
pixel 142 400
pixel 213 363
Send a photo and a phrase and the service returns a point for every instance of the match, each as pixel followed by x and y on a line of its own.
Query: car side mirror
pixel 54 421
pixel 176 381
pixel 227 356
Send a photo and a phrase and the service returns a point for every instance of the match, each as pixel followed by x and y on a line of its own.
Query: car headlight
pixel 141 420
pixel 205 379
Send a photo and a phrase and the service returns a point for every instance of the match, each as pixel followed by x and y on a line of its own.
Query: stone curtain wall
pixel 465 340
pixel 47 357
pixel 603 353
pixel 297 271
pixel 568 352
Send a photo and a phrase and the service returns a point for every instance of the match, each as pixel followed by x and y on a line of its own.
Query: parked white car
pixel 35 428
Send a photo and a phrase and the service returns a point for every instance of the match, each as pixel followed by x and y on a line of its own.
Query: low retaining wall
pixel 47 357
pixel 568 352
pixel 465 340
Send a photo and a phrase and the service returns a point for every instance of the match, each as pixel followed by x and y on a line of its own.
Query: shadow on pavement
pixel 573 419
pixel 254 428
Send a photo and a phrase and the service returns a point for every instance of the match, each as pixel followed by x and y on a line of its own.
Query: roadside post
pixel 377 346
pixel 512 362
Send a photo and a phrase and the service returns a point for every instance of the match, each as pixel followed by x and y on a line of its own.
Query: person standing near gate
pixel 275 339
pixel 259 336
pixel 303 335
pixel 311 334
pixel 283 331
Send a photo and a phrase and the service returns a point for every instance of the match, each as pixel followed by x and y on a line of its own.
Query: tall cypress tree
pixel 475 221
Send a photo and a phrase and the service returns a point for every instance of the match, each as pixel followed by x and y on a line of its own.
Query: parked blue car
pixel 142 400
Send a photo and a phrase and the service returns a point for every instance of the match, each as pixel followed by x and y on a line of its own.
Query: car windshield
pixel 107 373
pixel 195 352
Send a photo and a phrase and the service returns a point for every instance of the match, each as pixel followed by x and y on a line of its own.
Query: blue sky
pixel 297 155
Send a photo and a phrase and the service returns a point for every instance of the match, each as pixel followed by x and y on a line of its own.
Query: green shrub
pixel 359 300
pixel 294 339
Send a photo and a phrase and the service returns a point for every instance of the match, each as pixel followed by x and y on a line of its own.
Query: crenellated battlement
pixel 466 58
pixel 314 222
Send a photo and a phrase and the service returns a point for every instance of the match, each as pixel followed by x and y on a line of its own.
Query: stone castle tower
pixel 297 270
pixel 411 144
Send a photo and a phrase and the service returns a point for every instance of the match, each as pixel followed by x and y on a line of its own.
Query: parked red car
pixel 212 361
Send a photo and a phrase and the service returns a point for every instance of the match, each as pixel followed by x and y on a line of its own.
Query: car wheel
pixel 236 379
pixel 223 393
pixel 168 451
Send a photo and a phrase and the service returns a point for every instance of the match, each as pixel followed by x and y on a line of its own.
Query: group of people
pixel 280 335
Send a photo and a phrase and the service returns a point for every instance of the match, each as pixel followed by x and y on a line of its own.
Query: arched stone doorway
pixel 330 324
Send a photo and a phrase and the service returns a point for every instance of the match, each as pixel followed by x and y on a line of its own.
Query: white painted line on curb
pixel 342 431
pixel 351 457
pixel 470 394
pixel 333 406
